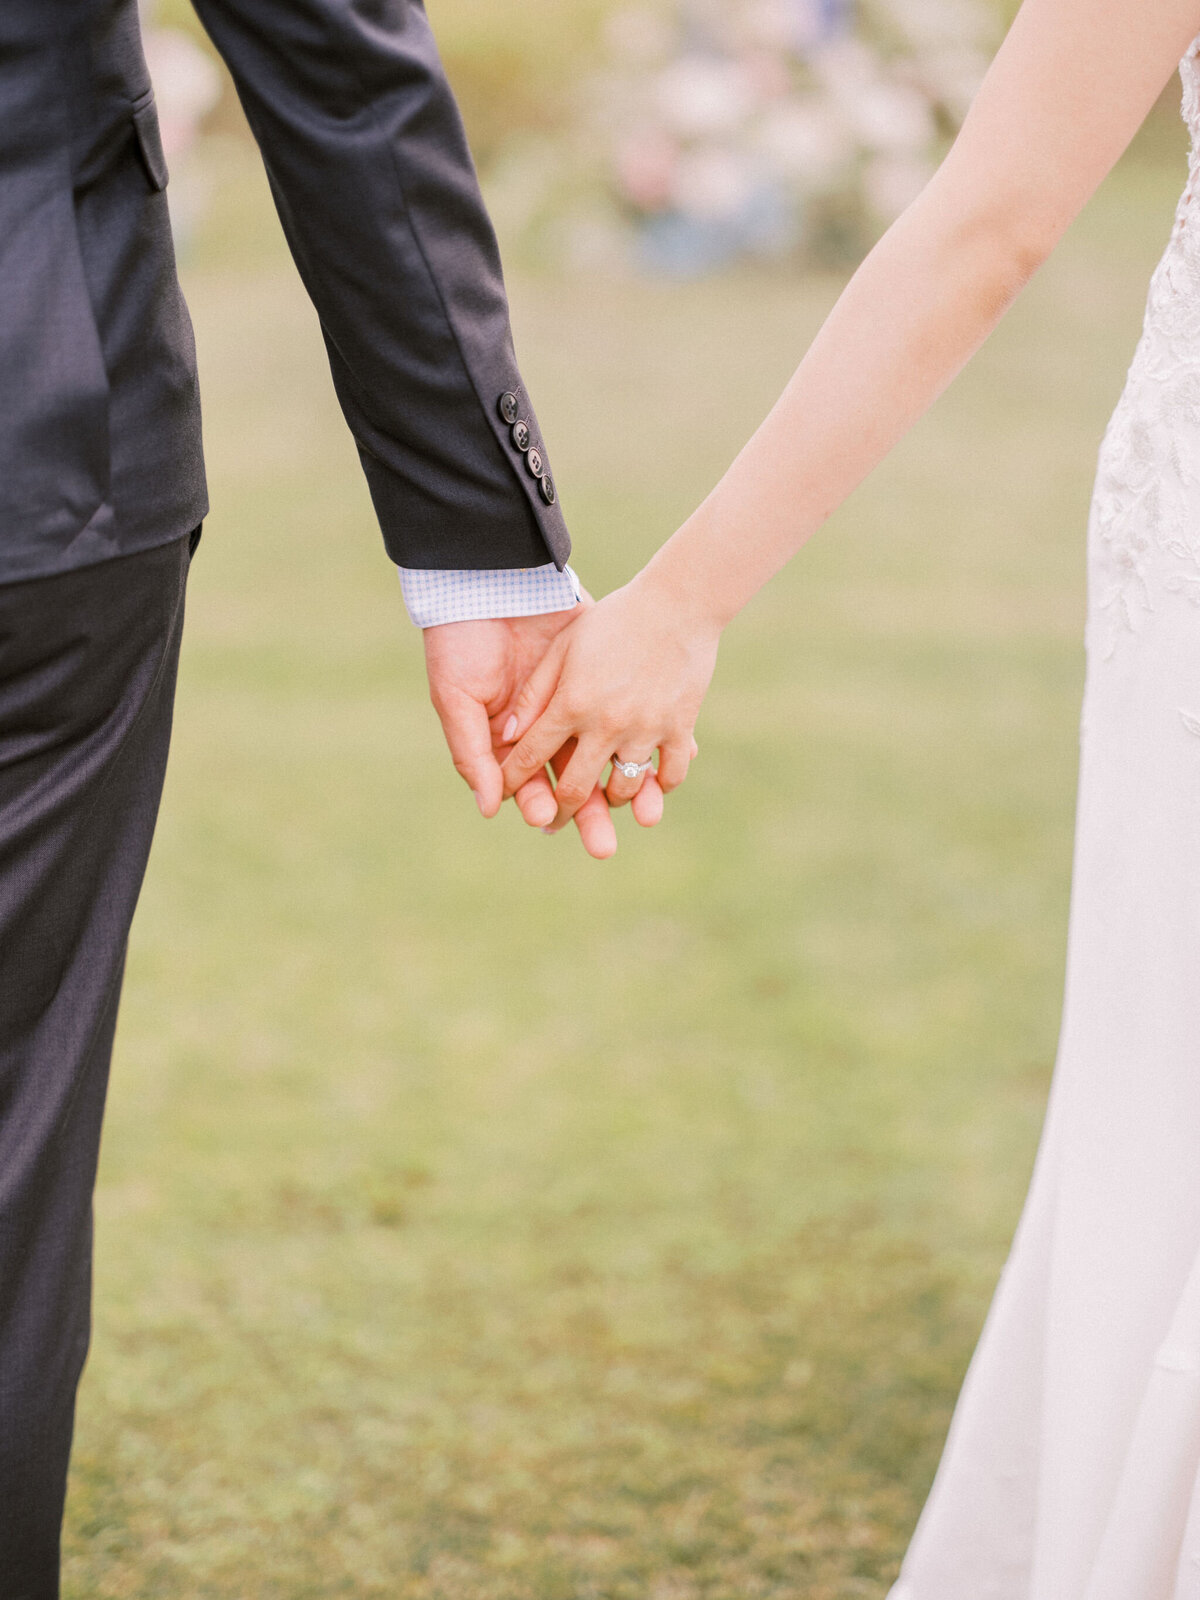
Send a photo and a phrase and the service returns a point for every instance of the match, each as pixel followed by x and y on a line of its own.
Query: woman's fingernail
pixel 479 802
pixel 550 831
pixel 510 727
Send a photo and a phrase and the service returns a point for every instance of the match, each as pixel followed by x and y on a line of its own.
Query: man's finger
pixel 674 758
pixel 595 824
pixel 647 803
pixel 579 777
pixel 593 819
pixel 536 802
pixel 465 726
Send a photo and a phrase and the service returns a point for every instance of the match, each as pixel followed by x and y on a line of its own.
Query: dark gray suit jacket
pixel 100 451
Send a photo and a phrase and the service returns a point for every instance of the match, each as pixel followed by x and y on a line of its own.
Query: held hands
pixel 573 687
pixel 475 671
pixel 627 676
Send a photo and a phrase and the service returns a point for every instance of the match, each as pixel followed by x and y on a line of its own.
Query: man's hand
pixel 629 677
pixel 476 671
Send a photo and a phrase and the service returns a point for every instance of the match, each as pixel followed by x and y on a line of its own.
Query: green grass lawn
pixel 478 1222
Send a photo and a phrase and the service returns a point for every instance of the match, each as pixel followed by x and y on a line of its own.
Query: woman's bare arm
pixel 1067 91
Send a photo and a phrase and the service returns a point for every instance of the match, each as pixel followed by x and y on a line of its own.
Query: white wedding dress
pixel 1072 1469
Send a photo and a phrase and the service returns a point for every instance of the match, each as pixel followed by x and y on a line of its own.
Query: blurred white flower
pixel 846 67
pixel 891 183
pixel 805 139
pixel 784 24
pixel 703 96
pixel 892 118
pixel 186 86
pixel 769 23
pixel 751 127
pixel 767 76
pixel 646 161
pixel 792 25
pixel 713 183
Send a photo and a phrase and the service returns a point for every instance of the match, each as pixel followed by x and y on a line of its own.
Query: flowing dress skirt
pixel 1072 1469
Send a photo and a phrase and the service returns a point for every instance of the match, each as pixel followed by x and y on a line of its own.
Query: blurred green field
pixel 477 1222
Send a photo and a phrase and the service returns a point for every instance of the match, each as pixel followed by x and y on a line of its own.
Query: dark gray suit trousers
pixel 87 679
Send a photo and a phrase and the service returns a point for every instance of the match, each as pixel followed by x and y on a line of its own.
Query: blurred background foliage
pixel 477 1222
pixel 684 135
pixel 515 69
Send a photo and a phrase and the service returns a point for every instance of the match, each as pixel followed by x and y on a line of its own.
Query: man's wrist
pixel 435 597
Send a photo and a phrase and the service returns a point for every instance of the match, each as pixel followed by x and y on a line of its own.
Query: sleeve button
pixel 533 460
pixel 509 409
pixel 521 435
pixel 549 492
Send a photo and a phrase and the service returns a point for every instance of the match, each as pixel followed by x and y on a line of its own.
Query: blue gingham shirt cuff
pixel 434 596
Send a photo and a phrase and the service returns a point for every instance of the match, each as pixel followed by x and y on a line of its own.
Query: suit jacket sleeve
pixel 368 163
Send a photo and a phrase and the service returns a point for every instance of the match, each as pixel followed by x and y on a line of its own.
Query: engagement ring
pixel 630 769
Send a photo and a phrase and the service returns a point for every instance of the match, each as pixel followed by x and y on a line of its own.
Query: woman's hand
pixel 476 670
pixel 626 678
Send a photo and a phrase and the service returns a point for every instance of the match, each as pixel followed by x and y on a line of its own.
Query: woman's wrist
pixel 676 582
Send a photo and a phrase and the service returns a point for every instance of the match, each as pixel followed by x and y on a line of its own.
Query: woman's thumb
pixel 534 695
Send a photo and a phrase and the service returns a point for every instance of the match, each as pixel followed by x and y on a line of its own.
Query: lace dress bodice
pixel 1145 518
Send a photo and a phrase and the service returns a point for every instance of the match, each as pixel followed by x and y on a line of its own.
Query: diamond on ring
pixel 631 769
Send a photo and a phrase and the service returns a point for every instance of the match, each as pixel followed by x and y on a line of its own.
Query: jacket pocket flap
pixel 145 122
